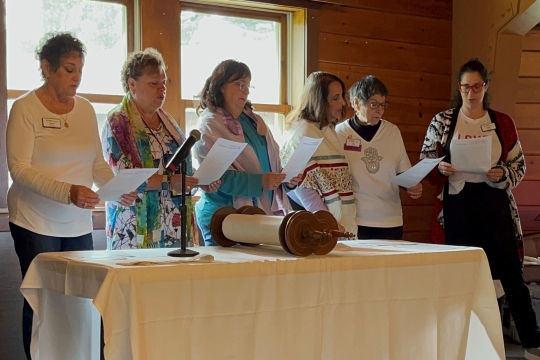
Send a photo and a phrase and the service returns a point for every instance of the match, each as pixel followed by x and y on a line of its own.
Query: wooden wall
pixel 408 45
pixel 527 118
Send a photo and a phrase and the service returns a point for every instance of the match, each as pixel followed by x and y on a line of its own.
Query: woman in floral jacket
pixel 140 134
pixel 479 208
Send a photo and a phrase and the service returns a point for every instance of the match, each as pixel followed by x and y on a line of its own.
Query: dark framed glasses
pixel 375 104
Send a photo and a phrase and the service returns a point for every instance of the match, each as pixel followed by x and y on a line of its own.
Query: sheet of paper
pixel 415 174
pixel 218 159
pixel 125 182
pixel 471 155
pixel 300 157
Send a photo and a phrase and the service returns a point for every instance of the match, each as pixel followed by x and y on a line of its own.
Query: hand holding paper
pixel 471 155
pixel 125 182
pixel 217 161
pixel 415 174
pixel 300 157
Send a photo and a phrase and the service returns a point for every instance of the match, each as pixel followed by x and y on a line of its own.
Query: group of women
pixel 55 155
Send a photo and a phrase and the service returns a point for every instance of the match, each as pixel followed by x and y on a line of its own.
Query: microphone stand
pixel 183 252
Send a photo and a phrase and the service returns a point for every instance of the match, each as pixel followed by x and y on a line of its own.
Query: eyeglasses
pixel 242 85
pixel 375 104
pixel 476 88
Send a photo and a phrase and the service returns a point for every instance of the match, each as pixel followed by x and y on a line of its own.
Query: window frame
pixel 281 16
pixel 11 94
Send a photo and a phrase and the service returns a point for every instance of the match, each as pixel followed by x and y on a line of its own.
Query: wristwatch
pixel 166 183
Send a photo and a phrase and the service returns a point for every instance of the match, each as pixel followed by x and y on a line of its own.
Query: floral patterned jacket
pixel 154 220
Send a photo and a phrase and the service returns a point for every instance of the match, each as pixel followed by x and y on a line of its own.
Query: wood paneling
pixel 530 141
pixel 527 116
pixel 531 41
pixel 399 83
pixel 533 167
pixel 414 111
pixel 527 193
pixel 441 9
pixel 530 64
pixel 403 28
pixel 528 214
pixel 159 19
pixel 413 136
pixel 362 51
pixel 528 90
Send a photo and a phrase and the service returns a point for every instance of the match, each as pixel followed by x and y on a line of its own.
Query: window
pixel 211 34
pixel 101 25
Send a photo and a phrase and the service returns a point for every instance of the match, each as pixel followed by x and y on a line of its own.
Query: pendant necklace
pixel 58 112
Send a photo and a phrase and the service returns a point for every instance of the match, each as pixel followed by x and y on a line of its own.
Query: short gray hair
pixel 366 87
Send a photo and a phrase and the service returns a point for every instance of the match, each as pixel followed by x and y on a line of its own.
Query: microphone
pixel 184 150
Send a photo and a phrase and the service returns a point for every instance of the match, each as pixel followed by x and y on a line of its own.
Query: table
pixel 371 299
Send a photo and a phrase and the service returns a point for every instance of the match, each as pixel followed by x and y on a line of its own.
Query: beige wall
pixel 491 30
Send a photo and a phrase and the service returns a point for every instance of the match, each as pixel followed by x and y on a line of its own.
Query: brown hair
pixel 54 46
pixel 211 96
pixel 138 63
pixel 473 65
pixel 314 101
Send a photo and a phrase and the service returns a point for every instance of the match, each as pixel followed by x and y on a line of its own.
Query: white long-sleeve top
pixel 44 161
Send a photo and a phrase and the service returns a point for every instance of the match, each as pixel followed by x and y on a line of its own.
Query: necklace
pixel 58 112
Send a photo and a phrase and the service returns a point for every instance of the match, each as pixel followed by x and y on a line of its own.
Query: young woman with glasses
pixel 376 153
pixel 478 208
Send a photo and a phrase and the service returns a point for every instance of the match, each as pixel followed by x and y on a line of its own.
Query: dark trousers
pixel 480 216
pixel 392 233
pixel 28 245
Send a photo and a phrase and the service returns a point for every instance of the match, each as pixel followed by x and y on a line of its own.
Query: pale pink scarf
pixel 220 124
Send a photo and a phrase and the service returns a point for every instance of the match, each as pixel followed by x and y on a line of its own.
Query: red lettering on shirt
pixel 467 136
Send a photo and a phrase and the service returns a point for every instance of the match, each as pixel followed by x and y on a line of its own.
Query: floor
pixel 11 302
pixel 513 351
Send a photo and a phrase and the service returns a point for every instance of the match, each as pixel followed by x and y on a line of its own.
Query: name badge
pixel 488 127
pixel 353 145
pixel 51 123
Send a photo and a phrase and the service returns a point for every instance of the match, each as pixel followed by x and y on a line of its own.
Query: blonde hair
pixel 138 63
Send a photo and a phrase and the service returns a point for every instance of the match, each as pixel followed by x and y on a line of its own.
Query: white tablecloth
pixel 373 299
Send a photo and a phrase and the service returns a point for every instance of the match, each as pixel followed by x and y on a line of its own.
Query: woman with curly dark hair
pixel 54 157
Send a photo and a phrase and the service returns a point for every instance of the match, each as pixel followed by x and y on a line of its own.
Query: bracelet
pixel 69 196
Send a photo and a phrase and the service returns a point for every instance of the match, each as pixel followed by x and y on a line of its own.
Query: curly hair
pixel 314 101
pixel 55 46
pixel 138 63
pixel 211 96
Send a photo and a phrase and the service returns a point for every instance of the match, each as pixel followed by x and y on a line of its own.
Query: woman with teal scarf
pixel 140 134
